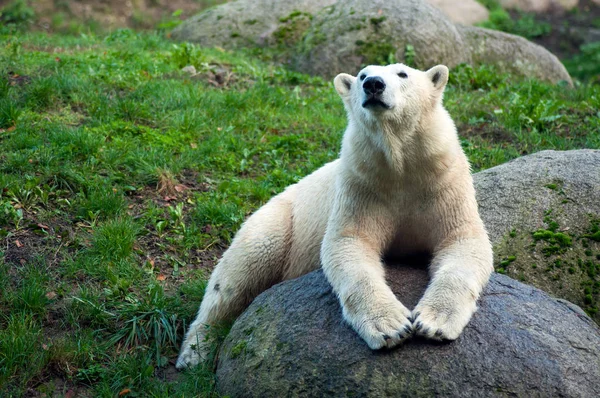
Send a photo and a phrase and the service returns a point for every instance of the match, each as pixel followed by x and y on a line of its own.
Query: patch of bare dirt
pixel 486 131
pixel 113 14
pixel 570 29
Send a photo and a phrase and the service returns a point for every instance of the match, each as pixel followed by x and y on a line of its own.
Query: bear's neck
pixel 394 151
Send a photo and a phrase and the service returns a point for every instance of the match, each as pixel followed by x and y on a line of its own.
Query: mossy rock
pixel 246 23
pixel 520 342
pixel 351 34
pixel 543 214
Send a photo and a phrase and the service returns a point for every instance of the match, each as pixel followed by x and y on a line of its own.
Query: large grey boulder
pixel 244 23
pixel 542 212
pixel 352 33
pixel 326 37
pixel 466 12
pixel 292 342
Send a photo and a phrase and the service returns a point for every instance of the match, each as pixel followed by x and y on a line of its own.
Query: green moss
pixel 294 15
pixel 250 21
pixel 595 236
pixel 551 186
pixel 377 21
pixel 238 349
pixel 292 28
pixel 377 52
pixel 558 241
pixel 235 34
pixel 409 55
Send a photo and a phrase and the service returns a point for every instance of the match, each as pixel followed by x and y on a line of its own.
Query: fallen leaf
pixel 42 226
pixel 70 394
pixel 45 347
pixel 193 145
pixel 51 295
pixel 161 277
pixel 124 391
pixel 180 187
pixel 18 243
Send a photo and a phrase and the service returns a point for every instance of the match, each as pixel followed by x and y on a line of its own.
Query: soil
pixel 569 29
pixel 114 14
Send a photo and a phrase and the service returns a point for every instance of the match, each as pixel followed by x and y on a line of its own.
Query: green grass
pixel 122 180
pixel 524 24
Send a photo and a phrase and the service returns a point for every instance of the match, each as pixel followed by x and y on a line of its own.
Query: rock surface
pixel 244 23
pixel 349 34
pixel 466 12
pixel 328 37
pixel 538 5
pixel 535 194
pixel 292 342
pixel 517 194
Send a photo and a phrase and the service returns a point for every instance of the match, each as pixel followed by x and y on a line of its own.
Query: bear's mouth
pixel 374 102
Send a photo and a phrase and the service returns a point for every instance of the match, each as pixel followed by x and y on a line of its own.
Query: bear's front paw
pixel 189 356
pixel 441 321
pixel 384 325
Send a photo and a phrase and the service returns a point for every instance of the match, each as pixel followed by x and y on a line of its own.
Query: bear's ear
pixel 438 76
pixel 343 83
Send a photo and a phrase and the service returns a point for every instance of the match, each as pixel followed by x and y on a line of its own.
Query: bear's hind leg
pixel 254 262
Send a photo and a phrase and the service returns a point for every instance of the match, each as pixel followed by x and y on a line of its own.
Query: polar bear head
pixel 395 93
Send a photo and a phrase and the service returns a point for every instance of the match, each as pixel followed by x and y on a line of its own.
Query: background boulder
pixel 352 33
pixel 244 23
pixel 543 215
pixel 292 341
pixel 327 37
pixel 467 12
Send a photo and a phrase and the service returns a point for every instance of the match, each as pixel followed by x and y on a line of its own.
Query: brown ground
pixel 570 29
pixel 113 14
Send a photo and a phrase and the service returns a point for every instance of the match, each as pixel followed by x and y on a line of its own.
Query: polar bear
pixel 402 184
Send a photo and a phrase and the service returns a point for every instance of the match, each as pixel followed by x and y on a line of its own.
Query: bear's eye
pixel 362 77
pixel 402 75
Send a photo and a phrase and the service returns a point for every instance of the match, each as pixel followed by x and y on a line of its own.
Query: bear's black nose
pixel 373 85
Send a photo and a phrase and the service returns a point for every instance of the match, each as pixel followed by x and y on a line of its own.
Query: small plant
pixel 586 64
pixel 9 113
pixel 172 22
pixel 17 15
pixel 9 214
pixel 185 54
pixel 113 240
pixel 147 321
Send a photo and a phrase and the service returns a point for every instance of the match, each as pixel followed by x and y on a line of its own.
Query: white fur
pixel 402 184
